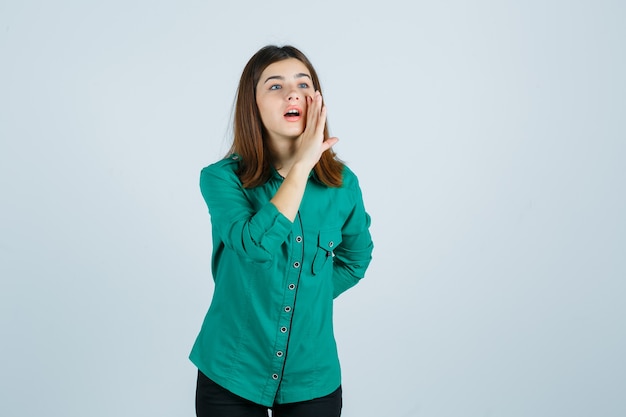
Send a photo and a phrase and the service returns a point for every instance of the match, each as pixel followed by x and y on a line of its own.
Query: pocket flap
pixel 329 239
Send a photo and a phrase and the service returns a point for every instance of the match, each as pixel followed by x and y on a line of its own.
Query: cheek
pixel 268 109
pixel 264 113
pixel 261 108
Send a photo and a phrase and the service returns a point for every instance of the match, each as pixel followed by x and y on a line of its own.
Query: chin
pixel 294 134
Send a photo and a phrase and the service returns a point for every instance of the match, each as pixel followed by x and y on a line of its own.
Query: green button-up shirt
pixel 268 334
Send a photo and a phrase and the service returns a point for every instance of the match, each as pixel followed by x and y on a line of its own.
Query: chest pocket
pixel 327 241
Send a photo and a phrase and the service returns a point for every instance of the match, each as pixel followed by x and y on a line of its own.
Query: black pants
pixel 214 401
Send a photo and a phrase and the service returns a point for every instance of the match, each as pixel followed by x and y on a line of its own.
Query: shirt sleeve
pixel 255 235
pixel 353 255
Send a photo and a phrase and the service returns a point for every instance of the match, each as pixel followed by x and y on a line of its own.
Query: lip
pixel 293 118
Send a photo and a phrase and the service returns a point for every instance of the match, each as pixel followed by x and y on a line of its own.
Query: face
pixel 281 98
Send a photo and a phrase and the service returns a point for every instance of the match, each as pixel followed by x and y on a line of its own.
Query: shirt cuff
pixel 269 228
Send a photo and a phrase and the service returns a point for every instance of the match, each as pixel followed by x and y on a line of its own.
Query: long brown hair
pixel 249 142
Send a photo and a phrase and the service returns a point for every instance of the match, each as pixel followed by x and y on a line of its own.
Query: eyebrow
pixel 280 77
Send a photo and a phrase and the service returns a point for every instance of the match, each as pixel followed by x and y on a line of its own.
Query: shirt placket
pixel 289 301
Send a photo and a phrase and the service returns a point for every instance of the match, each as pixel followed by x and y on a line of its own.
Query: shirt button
pixel 275 376
pixel 283 329
pixel 287 309
pixel 279 354
pixel 235 157
pixel 296 264
pixel 292 287
pixel 298 239
pixel 330 244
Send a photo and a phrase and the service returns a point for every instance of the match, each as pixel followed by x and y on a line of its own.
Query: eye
pixel 303 85
pixel 275 87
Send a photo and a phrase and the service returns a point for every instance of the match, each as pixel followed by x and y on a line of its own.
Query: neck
pixel 283 154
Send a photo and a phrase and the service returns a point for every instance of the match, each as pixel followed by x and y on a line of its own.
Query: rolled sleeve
pixel 262 234
pixel 354 254
pixel 255 235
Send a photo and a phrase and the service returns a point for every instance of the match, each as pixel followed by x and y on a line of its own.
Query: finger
pixel 312 115
pixel 321 121
pixel 329 143
pixel 314 112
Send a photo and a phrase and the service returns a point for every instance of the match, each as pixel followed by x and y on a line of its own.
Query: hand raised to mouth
pixel 311 144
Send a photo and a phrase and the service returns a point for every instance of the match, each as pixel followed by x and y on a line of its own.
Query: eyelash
pixel 278 86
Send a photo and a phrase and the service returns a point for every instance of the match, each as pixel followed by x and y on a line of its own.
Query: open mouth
pixel 292 113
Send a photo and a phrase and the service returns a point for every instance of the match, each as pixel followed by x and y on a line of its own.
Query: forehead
pixel 287 68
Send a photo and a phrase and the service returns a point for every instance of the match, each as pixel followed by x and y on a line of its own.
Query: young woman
pixel 290 233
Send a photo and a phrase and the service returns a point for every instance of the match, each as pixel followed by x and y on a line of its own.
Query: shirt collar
pixel 276 175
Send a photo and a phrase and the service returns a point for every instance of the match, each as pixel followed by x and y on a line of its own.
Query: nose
pixel 293 95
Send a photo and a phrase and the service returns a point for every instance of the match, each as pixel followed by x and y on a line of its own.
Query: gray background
pixel 489 139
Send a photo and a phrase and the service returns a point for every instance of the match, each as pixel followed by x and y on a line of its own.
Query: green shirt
pixel 268 334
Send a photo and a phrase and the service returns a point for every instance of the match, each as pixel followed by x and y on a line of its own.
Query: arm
pixel 255 235
pixel 353 255
pixel 309 148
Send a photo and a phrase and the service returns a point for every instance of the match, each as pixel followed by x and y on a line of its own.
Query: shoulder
pixel 230 164
pixel 350 180
pixel 225 169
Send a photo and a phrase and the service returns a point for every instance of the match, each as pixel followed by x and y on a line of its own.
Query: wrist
pixel 300 170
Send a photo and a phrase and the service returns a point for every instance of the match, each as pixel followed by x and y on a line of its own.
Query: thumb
pixel 329 143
